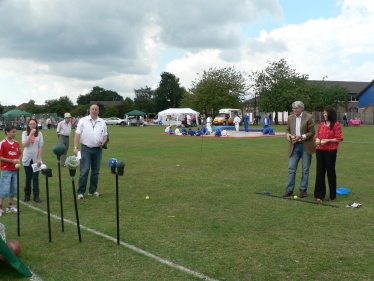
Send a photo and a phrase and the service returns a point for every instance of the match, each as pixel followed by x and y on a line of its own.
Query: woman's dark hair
pixel 331 116
pixel 28 127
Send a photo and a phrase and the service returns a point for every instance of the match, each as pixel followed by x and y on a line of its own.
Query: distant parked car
pixel 115 121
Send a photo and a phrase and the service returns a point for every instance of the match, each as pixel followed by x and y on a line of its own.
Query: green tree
pixel 80 110
pixel 128 105
pixel 59 106
pixel 169 93
pixel 217 88
pixel 145 99
pixel 31 107
pixel 278 86
pixel 109 111
pixel 98 94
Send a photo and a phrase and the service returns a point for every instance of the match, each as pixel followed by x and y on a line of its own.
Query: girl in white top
pixel 32 141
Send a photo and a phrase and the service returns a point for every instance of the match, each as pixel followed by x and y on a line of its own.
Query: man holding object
pixel 92 133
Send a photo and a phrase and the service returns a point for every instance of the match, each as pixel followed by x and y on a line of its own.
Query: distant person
pixel 188 120
pixel 209 124
pixel 10 153
pixel 204 130
pixel 22 122
pixel 191 132
pixel 329 136
pixel 345 120
pixel 266 121
pixel 32 141
pixel 300 134
pixel 224 133
pixel 237 122
pixel 246 122
pixel 184 130
pixel 48 122
pixel 177 132
pixel 199 132
pixel 218 133
pixel 92 133
pixel 63 135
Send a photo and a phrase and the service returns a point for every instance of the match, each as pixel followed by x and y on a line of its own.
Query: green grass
pixel 202 214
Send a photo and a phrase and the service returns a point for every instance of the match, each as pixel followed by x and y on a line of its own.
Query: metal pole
pixel 76 209
pixel 18 216
pixel 117 208
pixel 60 186
pixel 48 209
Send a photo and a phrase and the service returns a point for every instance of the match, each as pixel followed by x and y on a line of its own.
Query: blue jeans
pixel 299 152
pixel 91 158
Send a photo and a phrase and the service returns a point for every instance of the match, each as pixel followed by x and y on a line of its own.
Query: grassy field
pixel 203 214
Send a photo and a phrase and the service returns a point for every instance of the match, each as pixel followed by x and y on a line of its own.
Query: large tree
pixel 31 107
pixel 169 92
pixel 217 88
pixel 59 106
pixel 278 86
pixel 99 94
pixel 145 99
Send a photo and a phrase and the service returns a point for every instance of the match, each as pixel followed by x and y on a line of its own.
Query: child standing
pixel 9 156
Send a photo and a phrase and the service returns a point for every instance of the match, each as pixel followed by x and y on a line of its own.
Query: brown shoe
pixel 287 194
pixel 302 194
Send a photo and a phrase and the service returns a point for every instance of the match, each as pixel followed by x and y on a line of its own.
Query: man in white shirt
pixel 63 133
pixel 92 133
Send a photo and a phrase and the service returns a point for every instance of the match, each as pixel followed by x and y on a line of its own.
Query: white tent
pixel 175 116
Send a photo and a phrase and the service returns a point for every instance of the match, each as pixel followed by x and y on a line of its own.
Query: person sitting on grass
pixel 177 132
pixel 170 131
pixel 191 132
pixel 184 130
pixel 218 133
pixel 204 130
pixel 224 133
pixel 199 132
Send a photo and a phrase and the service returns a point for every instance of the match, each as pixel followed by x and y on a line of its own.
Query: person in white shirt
pixel 177 132
pixel 63 133
pixel 92 133
pixel 209 124
pixel 237 122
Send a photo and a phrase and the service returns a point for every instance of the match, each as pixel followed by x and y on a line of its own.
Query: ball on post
pixel 43 166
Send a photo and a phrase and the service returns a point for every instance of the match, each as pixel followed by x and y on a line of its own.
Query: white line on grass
pixel 132 247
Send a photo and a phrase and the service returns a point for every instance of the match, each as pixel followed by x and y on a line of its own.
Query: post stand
pixel 120 171
pixel 48 173
pixel 75 205
pixel 117 208
pixel 59 149
pixel 60 187
pixel 18 216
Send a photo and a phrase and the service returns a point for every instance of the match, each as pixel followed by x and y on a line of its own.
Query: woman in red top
pixel 328 137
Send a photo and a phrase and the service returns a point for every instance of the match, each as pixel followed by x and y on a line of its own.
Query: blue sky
pixel 52 49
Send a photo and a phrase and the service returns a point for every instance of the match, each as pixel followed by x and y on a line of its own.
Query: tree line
pixel 274 89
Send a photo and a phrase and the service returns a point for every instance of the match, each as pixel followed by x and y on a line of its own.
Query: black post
pixel 60 186
pixel 18 217
pixel 72 173
pixel 48 209
pixel 117 208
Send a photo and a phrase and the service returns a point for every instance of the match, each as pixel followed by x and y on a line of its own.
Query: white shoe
pixel 1 212
pixel 80 196
pixel 12 209
pixel 94 194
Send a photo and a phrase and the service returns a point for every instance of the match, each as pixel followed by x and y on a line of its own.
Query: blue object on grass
pixel 342 191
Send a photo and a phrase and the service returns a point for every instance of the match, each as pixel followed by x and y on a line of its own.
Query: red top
pixel 9 150
pixel 324 132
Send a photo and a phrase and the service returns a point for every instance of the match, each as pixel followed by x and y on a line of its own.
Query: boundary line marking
pixel 131 247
